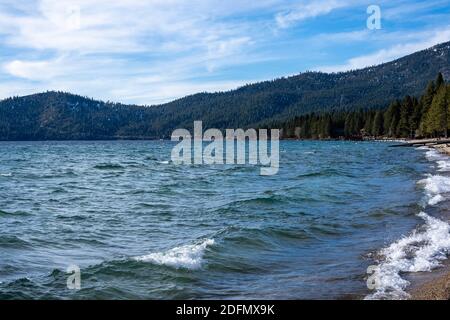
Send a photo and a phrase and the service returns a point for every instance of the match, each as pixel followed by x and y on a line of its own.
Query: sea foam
pixel 423 250
pixel 9 174
pixel 187 256
pixel 425 247
pixel 435 186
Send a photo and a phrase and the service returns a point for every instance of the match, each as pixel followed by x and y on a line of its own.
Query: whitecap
pixel 6 174
pixel 187 256
pixel 433 154
pixel 423 250
pixel 435 199
pixel 435 186
pixel 163 162
pixel 443 165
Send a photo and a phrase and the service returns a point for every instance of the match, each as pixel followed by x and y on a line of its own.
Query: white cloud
pixel 157 50
pixel 103 48
pixel 423 41
pixel 35 70
pixel 307 10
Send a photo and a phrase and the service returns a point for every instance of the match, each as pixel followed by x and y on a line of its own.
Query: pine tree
pixel 391 119
pixel 404 126
pixel 348 126
pixel 368 126
pixel 377 128
pixel 439 81
pixel 426 100
pixel 416 117
pixel 436 118
pixel 447 99
pixel 326 127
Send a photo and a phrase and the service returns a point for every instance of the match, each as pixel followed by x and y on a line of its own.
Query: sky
pixel 154 51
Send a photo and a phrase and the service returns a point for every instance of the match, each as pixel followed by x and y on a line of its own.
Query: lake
pixel 140 227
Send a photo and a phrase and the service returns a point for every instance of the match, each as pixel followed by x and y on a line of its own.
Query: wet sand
pixel 436 289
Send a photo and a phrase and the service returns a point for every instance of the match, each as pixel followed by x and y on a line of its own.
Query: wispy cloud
pixel 121 40
pixel 307 10
pixel 422 41
pixel 153 51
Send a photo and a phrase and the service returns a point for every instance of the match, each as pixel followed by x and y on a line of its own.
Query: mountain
pixel 64 116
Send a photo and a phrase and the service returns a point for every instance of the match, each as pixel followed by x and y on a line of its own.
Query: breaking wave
pixel 187 256
pixel 425 248
pixel 435 186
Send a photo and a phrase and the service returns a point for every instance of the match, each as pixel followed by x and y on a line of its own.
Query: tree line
pixel 410 117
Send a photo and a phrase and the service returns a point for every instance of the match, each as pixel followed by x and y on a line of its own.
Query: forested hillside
pixel 58 115
pixel 410 117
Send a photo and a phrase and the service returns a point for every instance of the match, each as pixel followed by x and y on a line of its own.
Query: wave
pixel 108 166
pixel 186 256
pixel 8 174
pixel 435 187
pixel 423 250
pixel 328 172
pixel 14 213
pixel 260 200
pixel 12 242
pixel 432 154
pixel 441 160
pixel 263 237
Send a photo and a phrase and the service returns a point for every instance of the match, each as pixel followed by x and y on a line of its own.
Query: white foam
pixel 442 161
pixel 187 256
pixel 163 162
pixel 423 250
pixel 435 200
pixel 6 174
pixel 425 247
pixel 443 165
pixel 435 187
pixel 433 154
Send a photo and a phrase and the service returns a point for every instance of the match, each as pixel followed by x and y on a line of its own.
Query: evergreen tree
pixel 377 128
pixel 426 100
pixel 416 117
pixel 391 118
pixel 368 126
pixel 326 127
pixel 436 118
pixel 348 126
pixel 439 81
pixel 406 110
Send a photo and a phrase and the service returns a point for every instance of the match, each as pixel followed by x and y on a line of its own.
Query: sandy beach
pixel 435 289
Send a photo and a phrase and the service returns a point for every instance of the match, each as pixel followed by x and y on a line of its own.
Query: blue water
pixel 141 227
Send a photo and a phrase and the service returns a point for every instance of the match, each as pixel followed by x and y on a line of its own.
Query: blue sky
pixel 149 52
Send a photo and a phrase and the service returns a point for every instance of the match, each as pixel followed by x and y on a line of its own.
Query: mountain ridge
pixel 57 115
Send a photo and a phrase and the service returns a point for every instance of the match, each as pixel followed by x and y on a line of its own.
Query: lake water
pixel 141 227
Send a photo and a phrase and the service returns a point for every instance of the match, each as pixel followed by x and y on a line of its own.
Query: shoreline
pixel 436 284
